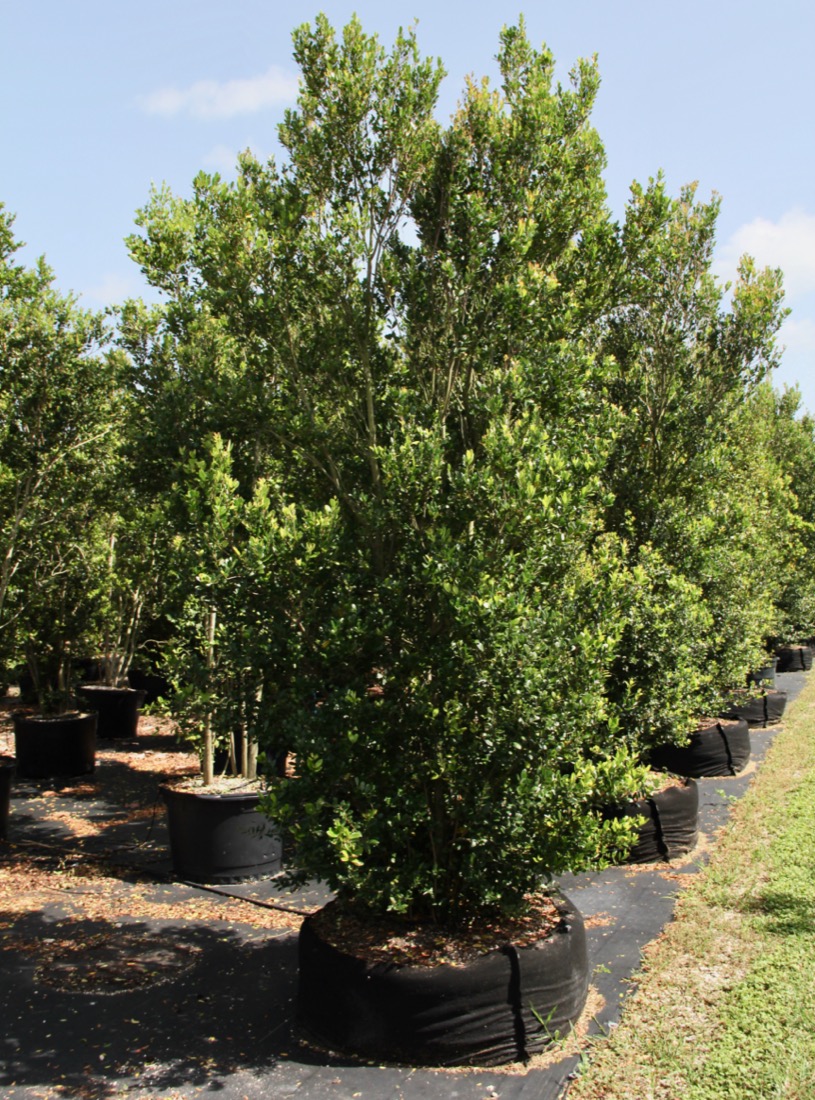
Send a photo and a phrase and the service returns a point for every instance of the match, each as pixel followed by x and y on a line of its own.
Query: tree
pixel 787 435
pixel 229 601
pixel 430 420
pixel 687 369
pixel 686 364
pixel 58 435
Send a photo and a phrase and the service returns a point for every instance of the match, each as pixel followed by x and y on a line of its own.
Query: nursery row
pixel 427 482
pixel 452 1006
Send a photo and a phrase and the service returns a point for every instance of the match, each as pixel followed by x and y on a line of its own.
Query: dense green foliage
pixel 690 484
pixel 788 436
pixel 229 651
pixel 430 475
pixel 59 417
pixel 433 418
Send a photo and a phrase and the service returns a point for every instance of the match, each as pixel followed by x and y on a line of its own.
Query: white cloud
pixel 223 99
pixel 788 243
pixel 223 159
pixel 798 335
pixel 112 288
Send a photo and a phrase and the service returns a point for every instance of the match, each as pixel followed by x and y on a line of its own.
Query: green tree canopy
pixel 59 412
pixel 406 304
pixel 686 477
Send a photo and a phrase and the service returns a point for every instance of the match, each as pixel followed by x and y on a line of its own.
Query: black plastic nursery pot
pixel 502 1006
pixel 794 658
pixel 719 747
pixel 671 826
pixel 7 768
pixel 117 707
pixel 51 746
pixel 220 837
pixel 152 684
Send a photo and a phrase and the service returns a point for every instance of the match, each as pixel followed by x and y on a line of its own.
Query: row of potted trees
pixel 430 479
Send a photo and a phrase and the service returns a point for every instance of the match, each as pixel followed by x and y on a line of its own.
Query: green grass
pixel 725 1006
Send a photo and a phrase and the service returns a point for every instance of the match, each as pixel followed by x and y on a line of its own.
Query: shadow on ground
pixel 88 1006
pixel 788 914
pixel 189 1006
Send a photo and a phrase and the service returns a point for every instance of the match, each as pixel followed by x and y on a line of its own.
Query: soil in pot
pixel 7 767
pixel 414 996
pixel 47 746
pixel 671 826
pixel 718 747
pixel 220 836
pixel 117 707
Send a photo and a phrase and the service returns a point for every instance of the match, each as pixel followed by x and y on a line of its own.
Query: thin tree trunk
pixel 209 754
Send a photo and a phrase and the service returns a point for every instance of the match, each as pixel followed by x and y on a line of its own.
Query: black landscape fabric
pixel 217 1017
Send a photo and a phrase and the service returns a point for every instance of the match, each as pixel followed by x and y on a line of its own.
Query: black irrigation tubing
pixel 148 838
pixel 252 901
pixel 108 859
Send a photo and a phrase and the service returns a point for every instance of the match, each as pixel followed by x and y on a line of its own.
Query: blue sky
pixel 101 99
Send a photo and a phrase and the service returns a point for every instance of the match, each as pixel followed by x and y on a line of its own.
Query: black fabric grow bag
pixel 759 713
pixel 671 825
pixel 764 675
pixel 721 748
pixel 753 711
pixel 794 658
pixel 500 1007
pixel 775 703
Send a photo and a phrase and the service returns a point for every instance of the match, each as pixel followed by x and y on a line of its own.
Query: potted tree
pixel 657 677
pixel 431 423
pixel 55 611
pixel 128 580
pixel 57 435
pixel 790 435
pixel 689 477
pixel 59 739
pixel 219 666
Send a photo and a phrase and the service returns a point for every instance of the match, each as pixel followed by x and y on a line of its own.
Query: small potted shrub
pixel 216 663
pixel 217 833
pixel 59 739
pixel 57 441
pixel 126 568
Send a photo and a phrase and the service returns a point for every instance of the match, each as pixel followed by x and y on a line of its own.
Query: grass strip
pixel 725 1004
